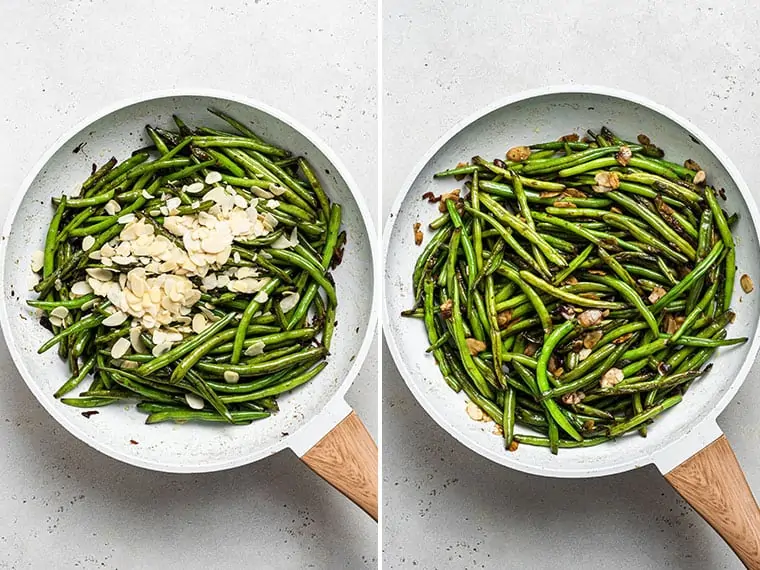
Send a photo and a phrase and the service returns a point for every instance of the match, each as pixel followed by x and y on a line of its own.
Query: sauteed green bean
pixel 577 288
pixel 194 277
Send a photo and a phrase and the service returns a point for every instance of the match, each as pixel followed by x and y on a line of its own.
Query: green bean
pixel 542 380
pixel 622 427
pixel 253 306
pixel 182 416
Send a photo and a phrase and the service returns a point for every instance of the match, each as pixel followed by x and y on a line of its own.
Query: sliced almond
pixel 573 398
pixel 261 297
pixel 612 377
pixel 87 242
pixel 656 294
pixel 518 153
pixel 60 312
pixel 475 346
pixel 120 348
pixel 699 177
pixel 38 260
pixel 99 273
pixel 746 283
pixel 127 218
pixel 159 349
pixel 256 348
pixel 606 181
pixel 590 317
pixel 231 377
pixel 562 204
pixel 199 323
pixel 591 339
pixel 135 339
pixel 194 188
pixel 112 207
pixel 195 402
pixel 213 177
pixel 115 319
pixel 475 412
pixel 289 301
pixel 624 155
pixel 80 289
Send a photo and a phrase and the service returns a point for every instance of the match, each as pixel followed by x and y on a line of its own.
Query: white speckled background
pixel 446 507
pixel 63 504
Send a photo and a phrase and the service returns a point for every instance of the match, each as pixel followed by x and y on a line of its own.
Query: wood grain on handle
pixel 712 481
pixel 347 459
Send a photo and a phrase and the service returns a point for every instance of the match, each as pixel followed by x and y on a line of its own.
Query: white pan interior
pixel 543 116
pixel 190 447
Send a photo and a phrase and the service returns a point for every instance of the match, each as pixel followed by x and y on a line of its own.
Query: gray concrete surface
pixel 446 507
pixel 63 505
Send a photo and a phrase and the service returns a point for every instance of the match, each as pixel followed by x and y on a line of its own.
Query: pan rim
pixel 337 398
pixel 681 446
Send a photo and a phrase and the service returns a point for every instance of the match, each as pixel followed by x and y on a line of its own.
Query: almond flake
pixel 199 323
pixel 38 260
pixel 584 353
pixel 115 319
pixel 213 177
pixel 590 318
pixel 746 282
pixel 80 289
pixel 195 402
pixel 289 301
pixel 87 242
pixel 475 412
pixel 475 346
pixel 699 177
pixel 194 188
pixel 60 312
pixel 159 349
pixel 99 273
pixel 277 190
pixel 147 195
pixel 518 153
pixel 112 207
pixel 656 294
pixel 606 182
pixel 135 339
pixel 56 321
pixel 260 192
pixel 256 348
pixel 120 348
pixel 573 398
pixel 612 377
pixel 126 218
pixel 231 377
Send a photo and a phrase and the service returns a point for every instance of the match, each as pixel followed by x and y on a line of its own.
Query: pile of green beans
pixel 296 342
pixel 577 288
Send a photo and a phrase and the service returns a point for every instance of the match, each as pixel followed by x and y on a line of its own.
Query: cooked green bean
pixel 590 299
pixel 179 327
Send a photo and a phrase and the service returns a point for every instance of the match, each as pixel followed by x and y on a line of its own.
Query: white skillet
pixel 685 443
pixel 315 421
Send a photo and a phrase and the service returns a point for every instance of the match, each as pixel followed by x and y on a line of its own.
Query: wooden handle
pixel 712 481
pixel 347 459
